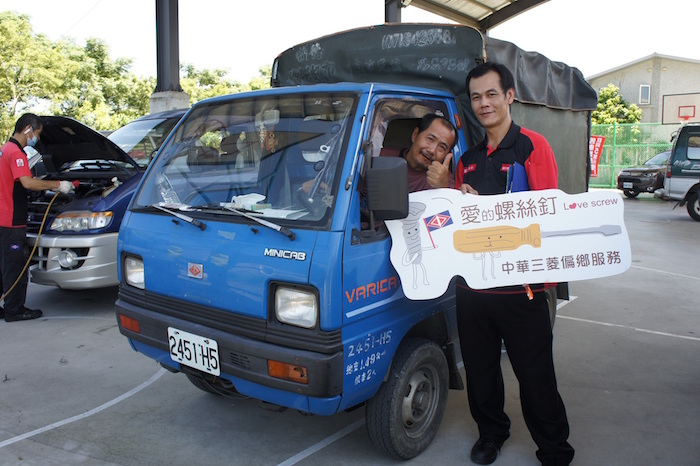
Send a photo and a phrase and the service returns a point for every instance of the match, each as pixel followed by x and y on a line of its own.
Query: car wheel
pixel 630 193
pixel 404 415
pixel 694 206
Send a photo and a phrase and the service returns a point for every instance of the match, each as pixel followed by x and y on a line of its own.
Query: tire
pixel 694 206
pixel 405 414
pixel 630 193
pixel 551 295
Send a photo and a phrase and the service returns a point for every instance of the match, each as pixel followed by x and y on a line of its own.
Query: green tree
pixel 262 81
pixel 612 108
pixel 202 84
pixel 84 82
pixel 29 69
pixel 99 91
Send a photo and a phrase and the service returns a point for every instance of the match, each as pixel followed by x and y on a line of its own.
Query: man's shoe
pixel 24 314
pixel 484 452
pixel 2 312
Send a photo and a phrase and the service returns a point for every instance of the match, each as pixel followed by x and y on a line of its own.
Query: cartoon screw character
pixel 411 234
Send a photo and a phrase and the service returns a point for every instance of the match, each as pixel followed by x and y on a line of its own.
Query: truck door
pixel 369 276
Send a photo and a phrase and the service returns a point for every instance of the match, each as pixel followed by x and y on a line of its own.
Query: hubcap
pixel 419 403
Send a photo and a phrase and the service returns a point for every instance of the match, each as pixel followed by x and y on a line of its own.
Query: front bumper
pixel 245 344
pixel 96 266
pixel 639 184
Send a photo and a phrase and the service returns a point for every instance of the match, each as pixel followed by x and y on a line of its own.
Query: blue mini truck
pixel 254 258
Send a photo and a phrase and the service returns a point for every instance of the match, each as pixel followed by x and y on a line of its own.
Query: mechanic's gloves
pixel 66 187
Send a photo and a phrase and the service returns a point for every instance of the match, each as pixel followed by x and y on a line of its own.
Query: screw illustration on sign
pixel 508 239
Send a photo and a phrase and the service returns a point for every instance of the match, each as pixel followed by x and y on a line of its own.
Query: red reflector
pixel 129 323
pixel 281 370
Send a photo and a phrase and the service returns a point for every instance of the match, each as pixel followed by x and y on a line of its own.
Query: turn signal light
pixel 282 370
pixel 129 323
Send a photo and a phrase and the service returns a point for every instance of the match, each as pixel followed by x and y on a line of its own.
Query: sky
pixel 240 36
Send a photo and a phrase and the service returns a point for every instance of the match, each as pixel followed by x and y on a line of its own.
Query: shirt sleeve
pixel 459 173
pixel 19 165
pixel 541 166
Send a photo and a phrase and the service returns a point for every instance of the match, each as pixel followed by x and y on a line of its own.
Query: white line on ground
pixel 322 444
pixel 86 414
pixel 636 329
pixel 664 272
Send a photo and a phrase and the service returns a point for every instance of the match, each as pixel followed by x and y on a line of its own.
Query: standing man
pixel 15 180
pixel 519 316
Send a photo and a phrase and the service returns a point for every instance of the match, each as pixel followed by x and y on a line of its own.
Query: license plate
pixel 194 351
pixel 627 184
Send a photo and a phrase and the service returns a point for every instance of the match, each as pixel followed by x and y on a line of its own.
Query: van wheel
pixel 551 296
pixel 631 193
pixel 694 206
pixel 405 414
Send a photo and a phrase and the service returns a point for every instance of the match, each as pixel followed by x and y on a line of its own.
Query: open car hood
pixel 65 140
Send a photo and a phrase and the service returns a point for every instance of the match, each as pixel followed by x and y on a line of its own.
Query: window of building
pixel 644 94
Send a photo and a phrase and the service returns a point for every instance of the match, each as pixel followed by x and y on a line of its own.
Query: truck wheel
pixel 405 414
pixel 694 206
pixel 631 193
pixel 551 294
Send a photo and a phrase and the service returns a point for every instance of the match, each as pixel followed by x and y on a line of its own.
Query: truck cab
pixel 682 182
pixel 254 258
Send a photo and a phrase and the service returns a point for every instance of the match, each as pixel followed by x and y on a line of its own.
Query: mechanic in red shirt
pixel 518 316
pixel 15 180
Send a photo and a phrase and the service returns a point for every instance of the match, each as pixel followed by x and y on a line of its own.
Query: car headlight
pixel 296 307
pixel 624 173
pixel 134 272
pixel 81 220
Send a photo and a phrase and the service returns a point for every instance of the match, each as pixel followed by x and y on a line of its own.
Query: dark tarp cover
pixel 433 56
pixel 540 81
pixel 439 56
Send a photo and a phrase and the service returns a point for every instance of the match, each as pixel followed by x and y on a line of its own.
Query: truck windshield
pixel 276 156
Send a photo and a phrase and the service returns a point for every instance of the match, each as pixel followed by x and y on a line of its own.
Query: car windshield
pixel 659 159
pixel 141 139
pixel 275 156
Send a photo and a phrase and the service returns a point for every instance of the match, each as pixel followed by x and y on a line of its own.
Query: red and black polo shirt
pixel 486 168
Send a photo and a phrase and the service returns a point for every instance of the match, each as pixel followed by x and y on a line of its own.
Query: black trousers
pixel 13 256
pixel 484 319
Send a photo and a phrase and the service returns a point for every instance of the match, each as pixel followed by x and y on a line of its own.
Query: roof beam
pixel 449 13
pixel 506 13
pixel 493 19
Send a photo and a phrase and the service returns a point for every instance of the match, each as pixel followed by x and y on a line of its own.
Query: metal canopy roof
pixel 479 14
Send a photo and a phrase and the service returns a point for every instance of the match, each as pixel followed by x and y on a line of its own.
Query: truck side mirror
pixel 387 188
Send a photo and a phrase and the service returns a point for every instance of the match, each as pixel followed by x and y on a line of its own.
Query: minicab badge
pixel 195 270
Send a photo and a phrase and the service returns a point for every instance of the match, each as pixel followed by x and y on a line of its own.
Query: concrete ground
pixel 627 350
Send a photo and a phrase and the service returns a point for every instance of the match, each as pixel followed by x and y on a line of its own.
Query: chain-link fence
pixel 627 145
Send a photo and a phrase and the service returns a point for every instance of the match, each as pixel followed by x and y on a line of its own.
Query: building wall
pixel 664 74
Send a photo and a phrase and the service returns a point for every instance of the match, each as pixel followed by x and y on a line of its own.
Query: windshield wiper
pixel 193 221
pixel 284 230
pixel 219 208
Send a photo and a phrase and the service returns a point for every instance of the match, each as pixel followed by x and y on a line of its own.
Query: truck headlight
pixel 134 272
pixel 81 220
pixel 296 307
